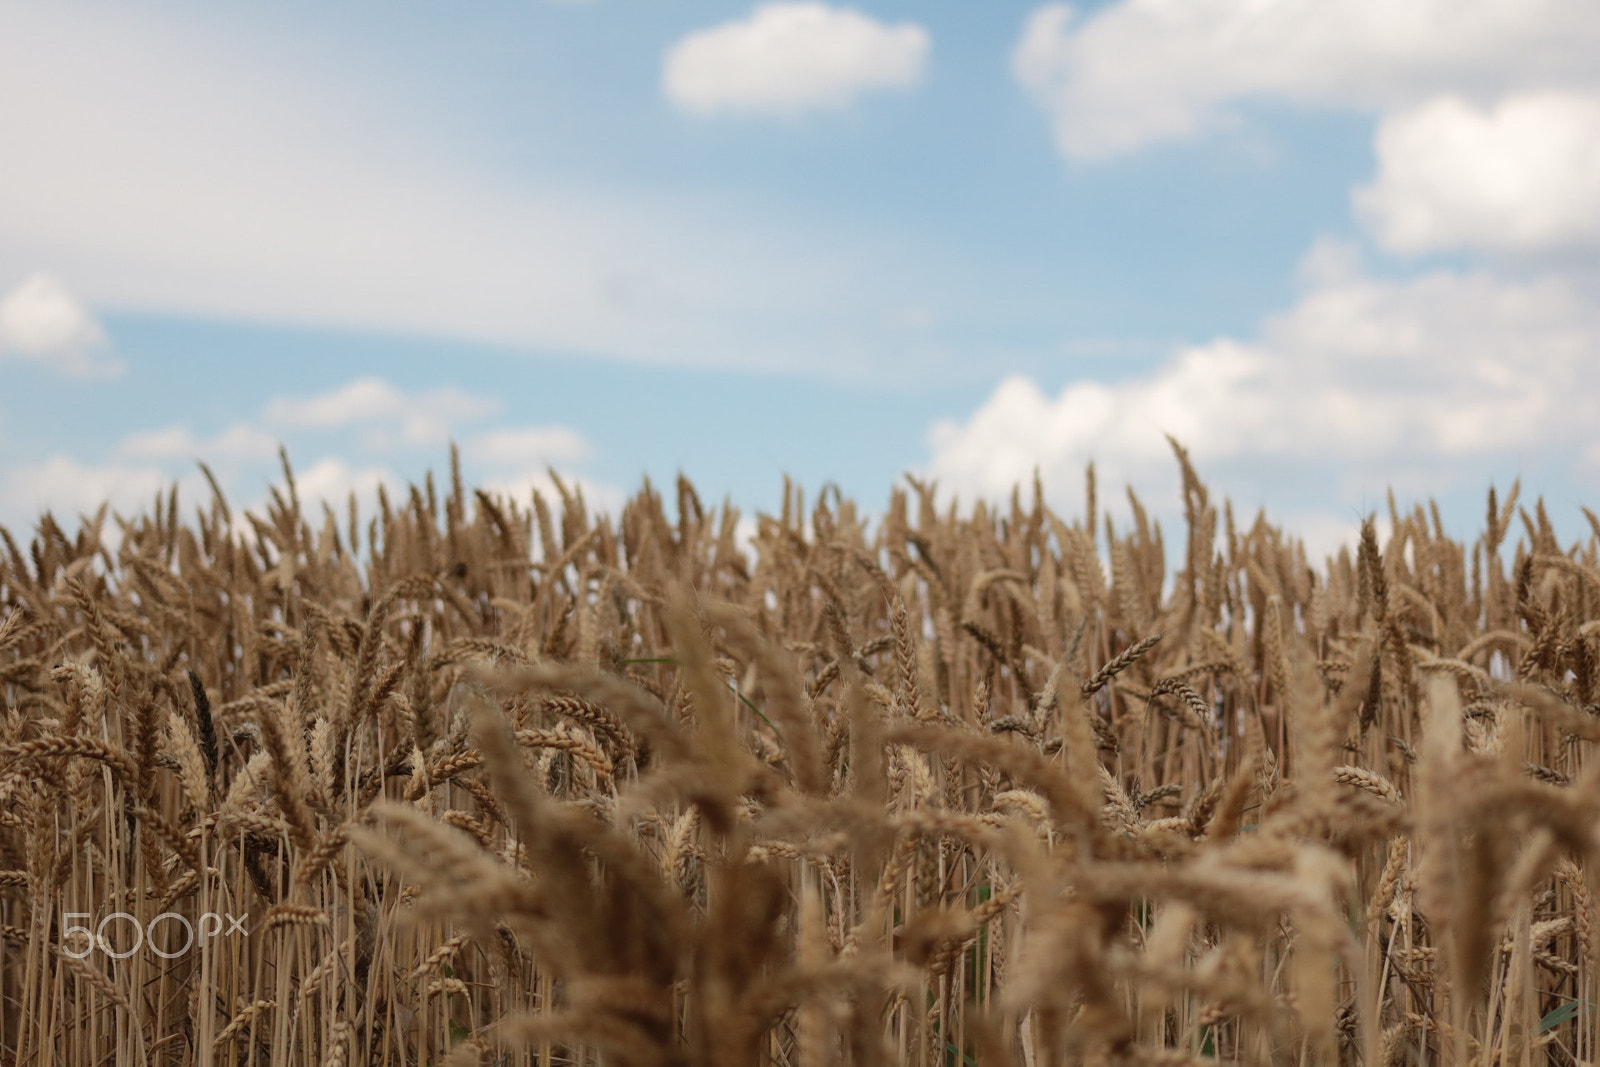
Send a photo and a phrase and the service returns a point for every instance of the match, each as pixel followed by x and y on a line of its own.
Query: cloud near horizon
pixel 375 425
pixel 388 416
pixel 1486 143
pixel 1420 384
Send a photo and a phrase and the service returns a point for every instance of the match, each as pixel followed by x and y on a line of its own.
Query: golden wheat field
pixel 470 782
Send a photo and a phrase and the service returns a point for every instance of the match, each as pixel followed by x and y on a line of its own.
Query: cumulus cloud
pixel 790 57
pixel 1138 72
pixel 1362 384
pixel 1521 175
pixel 41 320
pixel 1487 141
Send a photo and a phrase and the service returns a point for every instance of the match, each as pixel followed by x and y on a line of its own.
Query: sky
pixel 1333 249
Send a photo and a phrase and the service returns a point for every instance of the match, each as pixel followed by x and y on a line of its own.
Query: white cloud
pixel 42 321
pixel 1488 141
pixel 1521 175
pixel 66 486
pixel 421 419
pixel 599 497
pixel 239 441
pixel 790 57
pixel 1143 71
pixel 512 460
pixel 1361 384
pixel 528 446
pixel 1329 261
pixel 173 166
pixel 331 480
pixel 517 461
pixel 384 418
pixel 362 400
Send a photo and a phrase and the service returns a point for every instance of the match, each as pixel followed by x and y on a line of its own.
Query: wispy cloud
pixel 204 176
pixel 384 412
pixel 242 441
pixel 789 57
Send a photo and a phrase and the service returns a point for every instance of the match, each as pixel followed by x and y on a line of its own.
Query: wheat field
pixel 465 781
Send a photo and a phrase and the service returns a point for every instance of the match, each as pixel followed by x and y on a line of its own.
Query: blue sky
pixel 1333 248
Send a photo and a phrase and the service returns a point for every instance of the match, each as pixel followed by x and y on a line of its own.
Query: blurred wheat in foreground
pixel 463 783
